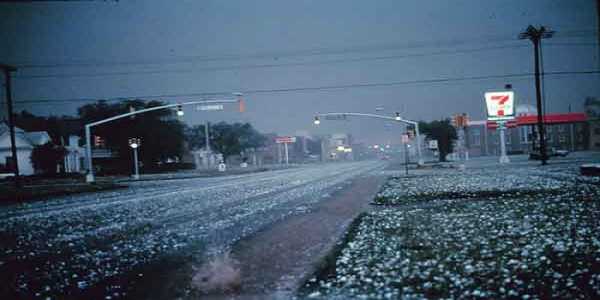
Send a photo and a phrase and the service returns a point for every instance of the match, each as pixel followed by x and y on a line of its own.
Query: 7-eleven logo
pixel 500 105
pixel 502 99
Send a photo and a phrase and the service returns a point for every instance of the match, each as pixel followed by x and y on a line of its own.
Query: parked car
pixel 551 153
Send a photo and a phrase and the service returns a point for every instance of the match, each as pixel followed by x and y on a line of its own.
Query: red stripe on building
pixel 548 119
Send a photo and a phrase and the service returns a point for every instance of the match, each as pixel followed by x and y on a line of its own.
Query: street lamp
pixel 135 143
pixel 180 112
pixel 317 121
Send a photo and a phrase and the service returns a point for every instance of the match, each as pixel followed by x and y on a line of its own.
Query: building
pixel 25 142
pixel 592 110
pixel 74 157
pixel 564 131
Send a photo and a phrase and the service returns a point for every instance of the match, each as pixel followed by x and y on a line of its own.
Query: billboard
pixel 285 139
pixel 500 105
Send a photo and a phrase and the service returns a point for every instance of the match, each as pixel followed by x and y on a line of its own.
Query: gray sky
pixel 94 50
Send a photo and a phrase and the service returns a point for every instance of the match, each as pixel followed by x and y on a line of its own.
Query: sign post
pixel 405 141
pixel 501 108
pixel 285 140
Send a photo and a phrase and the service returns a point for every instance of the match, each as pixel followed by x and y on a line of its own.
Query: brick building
pixel 564 131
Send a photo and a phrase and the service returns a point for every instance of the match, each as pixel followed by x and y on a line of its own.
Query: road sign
pixel 500 105
pixel 508 124
pixel 210 107
pixel 433 144
pixel 285 139
pixel 405 139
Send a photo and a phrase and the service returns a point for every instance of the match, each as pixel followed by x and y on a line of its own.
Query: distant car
pixel 561 153
pixel 551 153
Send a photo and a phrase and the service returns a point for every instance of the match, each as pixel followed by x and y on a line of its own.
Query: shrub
pixel 46 157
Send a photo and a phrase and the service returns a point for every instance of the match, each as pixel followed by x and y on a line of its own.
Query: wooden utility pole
pixel 536 35
pixel 598 24
pixel 11 122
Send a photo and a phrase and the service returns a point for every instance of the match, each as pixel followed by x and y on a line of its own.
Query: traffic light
pixel 99 141
pixel 241 104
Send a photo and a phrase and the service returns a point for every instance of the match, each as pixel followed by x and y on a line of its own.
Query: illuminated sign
pixel 500 105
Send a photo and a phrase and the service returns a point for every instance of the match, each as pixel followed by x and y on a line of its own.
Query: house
pixel 25 142
pixel 592 109
pixel 74 156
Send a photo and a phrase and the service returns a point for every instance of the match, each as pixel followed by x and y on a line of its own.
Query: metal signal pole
pixel 536 35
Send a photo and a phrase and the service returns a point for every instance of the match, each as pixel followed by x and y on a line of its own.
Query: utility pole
pixel 598 33
pixel 536 35
pixel 11 122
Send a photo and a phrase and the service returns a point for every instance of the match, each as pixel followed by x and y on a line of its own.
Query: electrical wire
pixel 259 66
pixel 309 89
pixel 282 54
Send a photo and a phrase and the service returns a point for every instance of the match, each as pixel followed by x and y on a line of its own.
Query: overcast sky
pixel 358 54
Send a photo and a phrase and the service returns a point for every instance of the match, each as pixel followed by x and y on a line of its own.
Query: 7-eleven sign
pixel 500 105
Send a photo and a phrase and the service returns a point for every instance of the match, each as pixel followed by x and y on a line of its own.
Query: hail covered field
pixel 490 231
pixel 71 244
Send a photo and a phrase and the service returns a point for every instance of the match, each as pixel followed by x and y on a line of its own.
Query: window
pixel 475 137
pixel 562 128
pixel 562 139
pixel 525 134
pixel 549 135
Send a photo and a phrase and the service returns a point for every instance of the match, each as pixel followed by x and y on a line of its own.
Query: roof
pixel 4 129
pixel 549 119
pixel 35 138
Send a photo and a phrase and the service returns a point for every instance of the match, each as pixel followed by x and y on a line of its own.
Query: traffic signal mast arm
pixel 88 148
pixel 397 119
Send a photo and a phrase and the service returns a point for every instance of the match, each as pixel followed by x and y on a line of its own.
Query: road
pixel 66 246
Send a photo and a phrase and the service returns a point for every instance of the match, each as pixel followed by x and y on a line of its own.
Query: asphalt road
pixel 65 247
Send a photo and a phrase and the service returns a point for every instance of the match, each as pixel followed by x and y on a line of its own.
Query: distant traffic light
pixel 99 141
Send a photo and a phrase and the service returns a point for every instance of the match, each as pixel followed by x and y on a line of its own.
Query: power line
pixel 292 64
pixel 313 89
pixel 284 54
pixel 303 52
pixel 260 66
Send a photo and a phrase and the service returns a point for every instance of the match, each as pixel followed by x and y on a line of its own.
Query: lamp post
pixel 135 143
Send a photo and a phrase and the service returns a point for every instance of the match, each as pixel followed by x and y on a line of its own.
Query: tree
pixel 227 139
pixel 592 107
pixel 160 132
pixel 47 157
pixel 443 132
pixel 59 128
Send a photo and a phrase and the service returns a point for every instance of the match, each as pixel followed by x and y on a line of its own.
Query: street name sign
pixel 341 117
pixel 500 105
pixel 210 107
